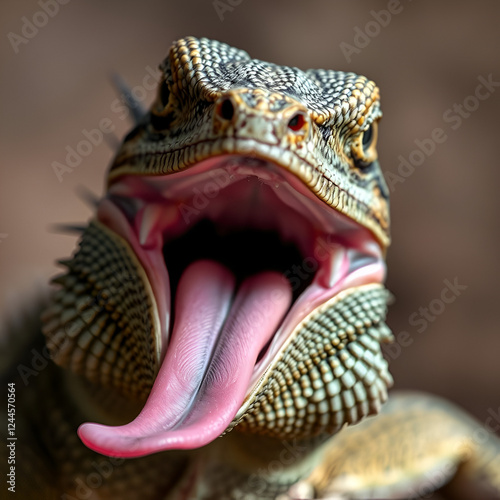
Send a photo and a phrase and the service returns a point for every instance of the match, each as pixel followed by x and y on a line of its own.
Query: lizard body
pixel 241 173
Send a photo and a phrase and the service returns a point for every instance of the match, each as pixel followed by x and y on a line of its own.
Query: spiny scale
pixel 101 323
pixel 68 228
pixel 330 374
pixel 134 106
pixel 88 196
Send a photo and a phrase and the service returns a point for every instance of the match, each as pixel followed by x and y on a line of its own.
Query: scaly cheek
pixel 331 371
pixel 103 324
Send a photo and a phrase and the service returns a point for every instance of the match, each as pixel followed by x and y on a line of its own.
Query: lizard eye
pixel 367 138
pixel 164 93
pixel 364 146
pixel 297 122
pixel 161 114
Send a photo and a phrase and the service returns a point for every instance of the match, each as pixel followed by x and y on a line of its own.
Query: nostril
pixel 226 109
pixel 297 122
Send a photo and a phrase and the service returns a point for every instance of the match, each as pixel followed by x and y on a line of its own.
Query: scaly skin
pixel 306 137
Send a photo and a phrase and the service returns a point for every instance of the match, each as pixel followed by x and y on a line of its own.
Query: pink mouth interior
pixel 215 342
pixel 224 335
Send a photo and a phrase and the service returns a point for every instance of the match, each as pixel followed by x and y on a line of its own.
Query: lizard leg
pixel 417 445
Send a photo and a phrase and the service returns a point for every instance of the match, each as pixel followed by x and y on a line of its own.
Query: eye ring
pixel 164 93
pixel 364 146
pixel 161 113
pixel 297 122
pixel 367 137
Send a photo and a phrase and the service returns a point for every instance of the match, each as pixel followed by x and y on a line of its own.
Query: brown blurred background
pixel 427 58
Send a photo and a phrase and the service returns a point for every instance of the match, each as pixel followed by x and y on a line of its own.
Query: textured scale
pixel 331 373
pixel 101 324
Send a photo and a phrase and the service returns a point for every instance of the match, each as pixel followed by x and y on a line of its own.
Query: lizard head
pixel 232 276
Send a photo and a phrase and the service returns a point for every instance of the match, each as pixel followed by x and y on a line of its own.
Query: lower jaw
pixel 320 291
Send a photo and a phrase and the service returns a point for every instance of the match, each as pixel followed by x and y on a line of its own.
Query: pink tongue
pixel 208 365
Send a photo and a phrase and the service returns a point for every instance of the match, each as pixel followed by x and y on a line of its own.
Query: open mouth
pixel 245 252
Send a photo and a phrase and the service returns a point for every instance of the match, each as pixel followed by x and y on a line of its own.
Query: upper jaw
pixel 316 155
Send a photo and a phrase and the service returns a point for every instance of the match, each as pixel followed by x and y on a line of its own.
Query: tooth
pixel 334 265
pixel 337 259
pixel 149 219
pixel 121 189
pixel 359 259
pixel 371 248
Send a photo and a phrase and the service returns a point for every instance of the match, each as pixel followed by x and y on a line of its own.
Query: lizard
pixel 217 333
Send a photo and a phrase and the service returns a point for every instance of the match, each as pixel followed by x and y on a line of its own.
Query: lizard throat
pixel 247 251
